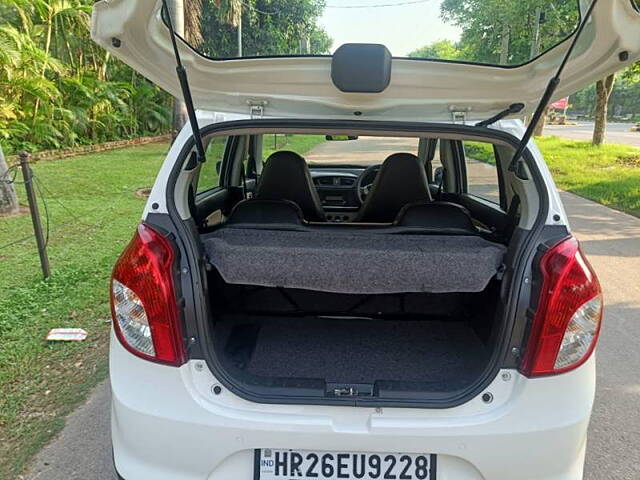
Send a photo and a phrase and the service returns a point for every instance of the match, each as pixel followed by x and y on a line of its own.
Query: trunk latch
pixel 354 390
pixel 345 392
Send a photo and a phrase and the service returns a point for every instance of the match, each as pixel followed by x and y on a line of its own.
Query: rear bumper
pixel 168 424
pixel 116 475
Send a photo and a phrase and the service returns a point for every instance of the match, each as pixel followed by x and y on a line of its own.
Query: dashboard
pixel 338 191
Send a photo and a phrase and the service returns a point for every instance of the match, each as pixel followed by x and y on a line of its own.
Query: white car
pixel 355 275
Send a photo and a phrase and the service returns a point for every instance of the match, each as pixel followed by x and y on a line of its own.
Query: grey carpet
pixel 354 262
pixel 363 351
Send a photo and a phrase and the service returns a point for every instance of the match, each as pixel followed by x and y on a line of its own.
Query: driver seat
pixel 285 176
pixel 401 180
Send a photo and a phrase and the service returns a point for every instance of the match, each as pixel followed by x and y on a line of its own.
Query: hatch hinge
pixel 256 108
pixel 459 114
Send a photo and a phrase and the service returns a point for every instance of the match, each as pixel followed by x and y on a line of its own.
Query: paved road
pixel 616 132
pixel 611 240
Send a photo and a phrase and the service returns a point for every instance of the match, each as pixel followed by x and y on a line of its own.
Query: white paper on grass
pixel 66 335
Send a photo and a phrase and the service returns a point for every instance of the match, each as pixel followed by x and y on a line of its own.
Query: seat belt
pixel 513 217
pixel 243 178
pixel 441 184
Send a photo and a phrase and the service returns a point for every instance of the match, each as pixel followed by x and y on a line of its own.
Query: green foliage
pixel 609 174
pixel 57 89
pixel 41 382
pixel 442 49
pixel 624 100
pixel 485 22
pixel 481 151
pixel 296 143
pixel 269 27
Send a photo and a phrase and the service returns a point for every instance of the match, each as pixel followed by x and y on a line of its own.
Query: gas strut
pixel 184 85
pixel 548 93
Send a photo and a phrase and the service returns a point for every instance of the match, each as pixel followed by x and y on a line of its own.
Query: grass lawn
pixel 609 174
pixel 93 211
pixel 40 383
pixel 209 178
pixel 296 143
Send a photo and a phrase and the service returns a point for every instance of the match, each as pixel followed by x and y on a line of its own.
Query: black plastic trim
pixel 517 289
pixel 185 290
pixel 361 68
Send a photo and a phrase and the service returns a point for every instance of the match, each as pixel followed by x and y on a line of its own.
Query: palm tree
pixel 230 11
pixel 192 18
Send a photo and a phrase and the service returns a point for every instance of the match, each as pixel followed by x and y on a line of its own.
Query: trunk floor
pixel 355 350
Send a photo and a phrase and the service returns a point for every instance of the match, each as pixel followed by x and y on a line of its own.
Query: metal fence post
pixel 27 175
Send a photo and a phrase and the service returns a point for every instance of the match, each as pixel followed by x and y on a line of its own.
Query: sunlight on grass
pixel 296 143
pixel 93 211
pixel 609 174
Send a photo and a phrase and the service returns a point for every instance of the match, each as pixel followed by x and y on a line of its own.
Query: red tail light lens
pixel 143 300
pixel 567 322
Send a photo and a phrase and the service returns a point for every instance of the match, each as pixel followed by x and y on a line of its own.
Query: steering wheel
pixel 365 181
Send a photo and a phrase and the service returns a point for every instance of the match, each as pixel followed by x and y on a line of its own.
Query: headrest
pixel 286 176
pixel 402 179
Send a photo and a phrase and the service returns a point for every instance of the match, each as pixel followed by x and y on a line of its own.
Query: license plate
pixel 271 464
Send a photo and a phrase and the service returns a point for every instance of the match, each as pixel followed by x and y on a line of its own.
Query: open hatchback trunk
pixel 372 313
pixel 369 85
pixel 357 313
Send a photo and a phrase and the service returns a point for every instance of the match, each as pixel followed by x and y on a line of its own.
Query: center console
pixel 338 194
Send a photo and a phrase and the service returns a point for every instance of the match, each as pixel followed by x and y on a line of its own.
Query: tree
pixel 495 30
pixel 269 27
pixel 537 132
pixel 509 33
pixel 603 92
pixel 229 11
pixel 58 89
pixel 442 49
pixel 623 101
pixel 8 198
pixel 177 9
pixel 633 72
pixel 192 19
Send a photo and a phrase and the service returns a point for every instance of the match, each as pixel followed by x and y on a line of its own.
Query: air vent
pixel 324 181
pixel 347 182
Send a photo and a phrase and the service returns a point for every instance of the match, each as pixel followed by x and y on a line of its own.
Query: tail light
pixel 143 300
pixel 567 322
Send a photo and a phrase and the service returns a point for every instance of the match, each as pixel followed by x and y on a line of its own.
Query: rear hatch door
pixel 418 90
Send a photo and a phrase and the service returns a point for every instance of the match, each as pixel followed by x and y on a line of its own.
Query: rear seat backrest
pixel 265 212
pixel 437 216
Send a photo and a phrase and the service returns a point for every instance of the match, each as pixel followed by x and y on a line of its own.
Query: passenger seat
pixel 285 176
pixel 402 179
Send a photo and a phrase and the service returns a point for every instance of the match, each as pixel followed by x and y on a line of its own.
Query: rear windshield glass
pixel 338 150
pixel 506 32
